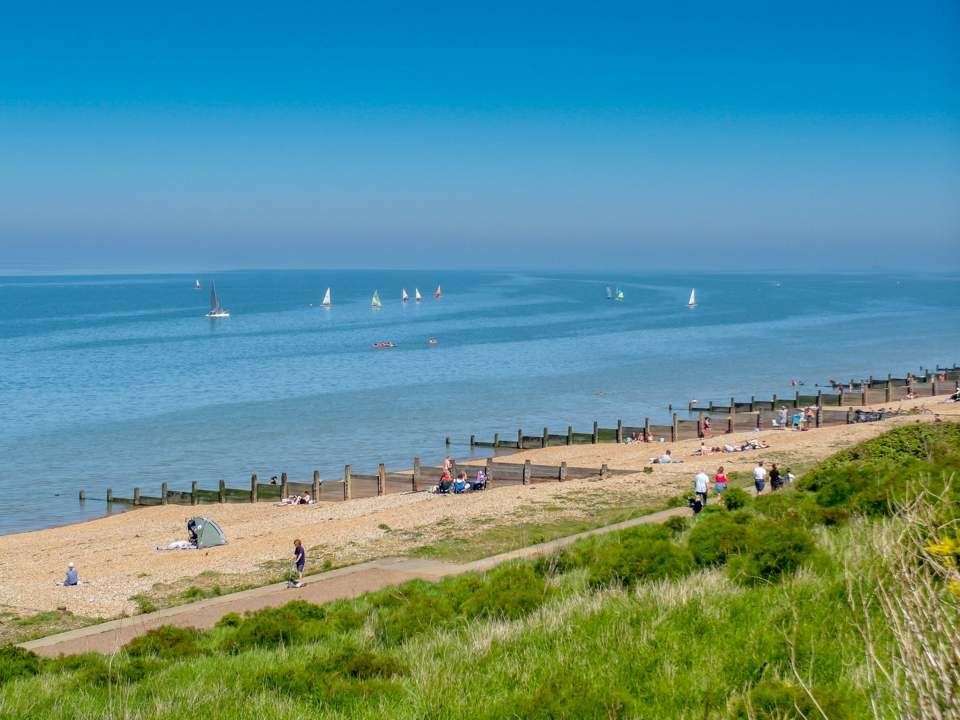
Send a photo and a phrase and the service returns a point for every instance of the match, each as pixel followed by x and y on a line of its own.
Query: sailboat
pixel 216 308
pixel 438 293
pixel 327 300
pixel 403 295
pixel 609 293
pixel 196 285
pixel 375 300
pixel 619 296
pixel 692 302
pixel 416 295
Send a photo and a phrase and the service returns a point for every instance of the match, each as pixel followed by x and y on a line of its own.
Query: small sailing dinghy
pixel 438 293
pixel 216 307
pixel 375 300
pixel 416 295
pixel 403 295
pixel 196 284
pixel 692 302
pixel 384 345
pixel 327 299
pixel 619 296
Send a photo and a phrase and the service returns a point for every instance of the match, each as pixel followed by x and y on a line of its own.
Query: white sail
pixel 619 295
pixel 403 295
pixel 196 285
pixel 416 295
pixel 327 300
pixel 609 293
pixel 438 293
pixel 692 302
pixel 216 308
pixel 375 300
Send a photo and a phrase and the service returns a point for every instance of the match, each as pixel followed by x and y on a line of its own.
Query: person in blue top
pixel 72 578
pixel 299 560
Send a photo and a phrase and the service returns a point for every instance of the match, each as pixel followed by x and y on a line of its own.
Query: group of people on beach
pixel 461 483
pixel 701 483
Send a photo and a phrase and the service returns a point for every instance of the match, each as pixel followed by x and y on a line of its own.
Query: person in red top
pixel 720 480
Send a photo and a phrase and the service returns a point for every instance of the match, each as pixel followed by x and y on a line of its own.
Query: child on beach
pixel 299 562
pixel 720 481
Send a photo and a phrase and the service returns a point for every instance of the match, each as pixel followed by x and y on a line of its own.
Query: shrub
pixel 715 538
pixel 791 507
pixel 167 642
pixel 122 670
pixel 735 498
pixel 772 550
pixel 16 662
pixel 269 627
pixel 510 591
pixel 676 524
pixel 230 620
pixel 775 699
pixel 570 696
pixel 366 664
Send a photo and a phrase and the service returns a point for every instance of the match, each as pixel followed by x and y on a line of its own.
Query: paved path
pixel 338 584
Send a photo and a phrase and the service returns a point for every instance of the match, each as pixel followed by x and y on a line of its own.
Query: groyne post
pixel 933 387
pixel 796 399
pixel 569 434
pixel 381 479
pixel 283 485
pixel 316 486
pixel 562 475
pixel 773 403
pixel 163 493
pixel 222 492
pixel 546 437
pixel 347 483
pixel 526 472
pixel 109 496
pixel 863 395
pixel 136 496
pixel 519 438
pixel 888 391
pixel 83 496
pixel 488 466
pixel 604 472
pixel 194 499
pixel 673 428
pixel 819 399
pixel 416 473
pixel 753 403
pixel 646 429
pixel 619 431
pixel 473 441
pixel 818 416
pixel 496 440
pixel 253 488
pixel 596 433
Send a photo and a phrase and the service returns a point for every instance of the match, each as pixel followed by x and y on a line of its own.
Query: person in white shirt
pixel 700 483
pixel 666 458
pixel 759 477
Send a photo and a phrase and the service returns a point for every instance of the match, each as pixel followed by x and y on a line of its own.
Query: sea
pixel 120 381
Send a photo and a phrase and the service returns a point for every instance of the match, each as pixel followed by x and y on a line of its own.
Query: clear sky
pixel 590 135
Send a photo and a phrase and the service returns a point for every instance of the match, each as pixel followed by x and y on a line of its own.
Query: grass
pixel 17 628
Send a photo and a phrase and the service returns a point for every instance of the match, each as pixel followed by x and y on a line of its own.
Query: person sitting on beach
pixel 460 484
pixel 666 458
pixel 706 427
pixel 72 577
pixel 911 395
pixel 304 499
pixel 192 531
pixel 702 450
pixel 446 482
pixel 480 483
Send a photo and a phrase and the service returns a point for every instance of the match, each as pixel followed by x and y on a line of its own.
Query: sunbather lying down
pixel 302 499
pixel 178 545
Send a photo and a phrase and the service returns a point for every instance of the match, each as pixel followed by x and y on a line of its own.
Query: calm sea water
pixel 120 381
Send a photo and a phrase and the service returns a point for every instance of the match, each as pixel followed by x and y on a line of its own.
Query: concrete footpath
pixel 325 587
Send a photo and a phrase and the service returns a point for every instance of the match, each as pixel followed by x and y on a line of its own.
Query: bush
pixel 269 627
pixel 122 670
pixel 735 498
pixel 775 699
pixel 772 550
pixel 166 642
pixel 15 662
pixel 365 664
pixel 230 620
pixel 715 538
pixel 563 696
pixel 510 591
pixel 677 524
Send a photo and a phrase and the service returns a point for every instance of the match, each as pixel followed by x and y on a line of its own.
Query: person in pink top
pixel 720 480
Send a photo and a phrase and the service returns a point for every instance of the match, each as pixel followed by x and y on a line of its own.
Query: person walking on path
pixel 720 481
pixel 776 482
pixel 759 477
pixel 700 484
pixel 299 561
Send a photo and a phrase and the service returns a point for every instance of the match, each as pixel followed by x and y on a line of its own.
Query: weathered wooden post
pixel 194 498
pixel 253 488
pixel 674 428
pixel 817 422
pixel 759 420
pixel 863 395
pixel 83 496
pixel 381 479
pixel 496 440
pixel 222 492
pixel 473 441
pixel 347 483
pixel 796 399
pixel 840 400
pixel 729 423
pixel 888 392
pixel 283 485
pixel 753 403
pixel 773 403
pixel 700 428
pixel 315 490
pixel 519 438
pixel 563 471
pixel 619 431
pixel 596 433
pixel 447 441
pixel 646 430
pixel 416 474
pixel 604 472
pixel 136 496
pixel 109 496
pixel 569 434
pixel 163 493
pixel 488 467
pixel 819 398
pixel 849 414
pixel 546 437
pixel 933 387
pixel 526 472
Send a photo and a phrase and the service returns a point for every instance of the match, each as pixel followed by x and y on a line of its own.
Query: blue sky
pixel 720 135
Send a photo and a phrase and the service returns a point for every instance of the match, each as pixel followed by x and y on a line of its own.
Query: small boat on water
pixel 432 341
pixel 416 295
pixel 403 295
pixel 692 302
pixel 438 293
pixel 196 284
pixel 619 296
pixel 384 345
pixel 375 301
pixel 609 293
pixel 216 307
pixel 327 299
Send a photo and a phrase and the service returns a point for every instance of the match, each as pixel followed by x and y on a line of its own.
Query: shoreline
pixel 117 559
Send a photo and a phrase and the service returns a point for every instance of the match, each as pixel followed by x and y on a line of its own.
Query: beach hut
pixel 209 533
